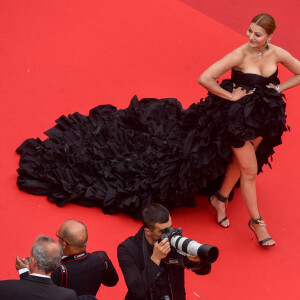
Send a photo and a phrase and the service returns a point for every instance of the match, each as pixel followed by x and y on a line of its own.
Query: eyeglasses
pixel 61 238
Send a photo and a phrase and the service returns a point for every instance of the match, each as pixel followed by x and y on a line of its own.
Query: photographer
pixel 151 268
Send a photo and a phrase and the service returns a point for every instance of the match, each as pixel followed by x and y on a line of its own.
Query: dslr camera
pixel 186 246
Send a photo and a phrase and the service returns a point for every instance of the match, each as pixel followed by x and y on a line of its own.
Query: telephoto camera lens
pixel 185 246
pixel 206 252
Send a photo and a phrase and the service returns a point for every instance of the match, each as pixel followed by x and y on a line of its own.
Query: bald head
pixel 74 233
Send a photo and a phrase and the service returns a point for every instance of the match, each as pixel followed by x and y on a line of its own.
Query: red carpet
pixel 58 57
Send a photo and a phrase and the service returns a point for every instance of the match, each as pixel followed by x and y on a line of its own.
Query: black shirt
pixel 161 287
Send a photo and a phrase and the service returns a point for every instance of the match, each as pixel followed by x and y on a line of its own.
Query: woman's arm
pixel 209 77
pixel 292 64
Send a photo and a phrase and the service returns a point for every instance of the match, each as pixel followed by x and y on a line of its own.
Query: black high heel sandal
pixel 224 200
pixel 261 222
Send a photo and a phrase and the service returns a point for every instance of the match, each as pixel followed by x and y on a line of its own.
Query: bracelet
pixel 277 88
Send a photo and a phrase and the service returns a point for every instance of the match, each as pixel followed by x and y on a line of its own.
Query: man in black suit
pixel 45 257
pixel 86 271
pixel 151 269
pixel 79 270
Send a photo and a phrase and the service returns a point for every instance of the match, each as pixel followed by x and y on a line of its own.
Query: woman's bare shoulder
pixel 280 52
pixel 287 59
pixel 237 53
pixel 242 50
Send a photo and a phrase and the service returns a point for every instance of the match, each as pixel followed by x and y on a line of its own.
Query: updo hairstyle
pixel 265 21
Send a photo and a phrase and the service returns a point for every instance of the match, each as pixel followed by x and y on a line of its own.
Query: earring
pixel 267 46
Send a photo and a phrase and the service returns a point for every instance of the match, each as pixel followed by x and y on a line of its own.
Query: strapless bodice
pixel 249 79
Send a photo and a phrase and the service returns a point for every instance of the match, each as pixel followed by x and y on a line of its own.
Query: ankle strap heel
pixel 260 222
pixel 221 197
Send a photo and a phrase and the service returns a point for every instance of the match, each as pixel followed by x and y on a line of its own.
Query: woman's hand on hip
pixel 239 93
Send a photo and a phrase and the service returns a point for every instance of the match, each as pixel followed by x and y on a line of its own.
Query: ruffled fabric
pixel 153 151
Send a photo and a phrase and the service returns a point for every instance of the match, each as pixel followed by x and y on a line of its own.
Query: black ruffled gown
pixel 153 151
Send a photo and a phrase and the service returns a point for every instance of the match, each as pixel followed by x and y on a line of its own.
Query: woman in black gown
pixel 155 151
pixel 256 115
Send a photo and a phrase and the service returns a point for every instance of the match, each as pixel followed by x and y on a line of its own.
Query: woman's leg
pixel 247 163
pixel 232 174
pixel 231 177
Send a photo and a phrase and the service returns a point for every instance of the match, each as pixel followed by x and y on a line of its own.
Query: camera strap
pixel 146 253
pixel 64 273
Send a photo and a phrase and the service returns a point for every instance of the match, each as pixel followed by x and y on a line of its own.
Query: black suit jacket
pixel 140 273
pixel 34 288
pixel 85 272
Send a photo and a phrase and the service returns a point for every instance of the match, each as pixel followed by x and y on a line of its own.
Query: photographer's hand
pixel 160 251
pixel 21 264
pixel 194 258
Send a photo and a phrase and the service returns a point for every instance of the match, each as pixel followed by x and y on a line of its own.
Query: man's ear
pixel 33 261
pixel 64 245
pixel 147 231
